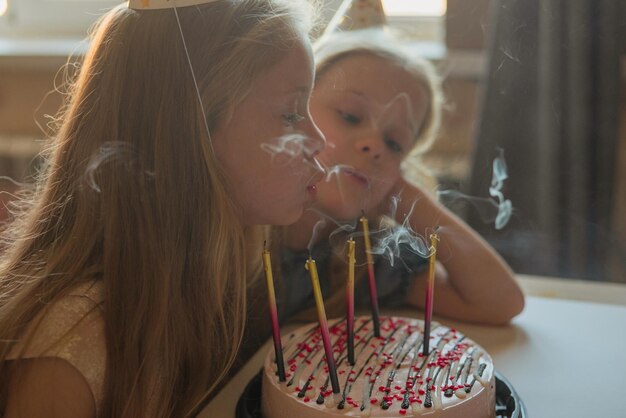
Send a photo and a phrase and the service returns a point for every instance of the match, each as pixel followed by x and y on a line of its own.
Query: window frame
pixel 52 18
pixel 412 26
pixel 420 28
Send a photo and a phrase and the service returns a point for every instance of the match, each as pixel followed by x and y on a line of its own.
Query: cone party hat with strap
pixel 357 14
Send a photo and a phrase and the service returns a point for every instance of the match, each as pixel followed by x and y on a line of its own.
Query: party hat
pixel 164 4
pixel 357 14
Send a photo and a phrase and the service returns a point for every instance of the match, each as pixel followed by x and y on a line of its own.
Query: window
pixel 44 18
pixel 422 20
pixel 415 7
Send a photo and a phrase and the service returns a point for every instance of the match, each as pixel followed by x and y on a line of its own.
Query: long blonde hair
pixel 332 49
pixel 132 196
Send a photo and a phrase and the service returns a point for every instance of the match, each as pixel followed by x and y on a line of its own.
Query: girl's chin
pixel 289 218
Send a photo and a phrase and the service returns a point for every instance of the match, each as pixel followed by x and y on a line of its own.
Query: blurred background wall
pixel 489 53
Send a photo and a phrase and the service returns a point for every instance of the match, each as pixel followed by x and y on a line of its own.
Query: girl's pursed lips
pixel 362 178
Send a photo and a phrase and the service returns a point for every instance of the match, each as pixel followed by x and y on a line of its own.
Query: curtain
pixel 551 103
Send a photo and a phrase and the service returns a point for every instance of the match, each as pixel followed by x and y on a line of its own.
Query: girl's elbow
pixel 512 307
pixel 518 305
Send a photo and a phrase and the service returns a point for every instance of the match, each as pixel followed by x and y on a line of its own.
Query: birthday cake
pixel 391 376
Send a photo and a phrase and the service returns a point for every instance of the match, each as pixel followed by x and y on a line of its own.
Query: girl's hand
pixel 472 282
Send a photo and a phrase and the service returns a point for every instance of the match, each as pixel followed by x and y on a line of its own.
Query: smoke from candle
pixel 335 170
pixel 391 237
pixel 505 207
pixel 398 106
pixel 109 152
pixel 290 145
pixel 341 228
pixel 319 226
pixel 293 144
pixel 497 210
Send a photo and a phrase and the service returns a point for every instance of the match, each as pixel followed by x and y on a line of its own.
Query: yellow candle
pixel 430 291
pixel 366 238
pixel 351 261
pixel 371 277
pixel 280 364
pixel 434 238
pixel 321 314
pixel 350 301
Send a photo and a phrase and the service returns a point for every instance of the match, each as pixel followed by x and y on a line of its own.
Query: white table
pixel 565 358
pixel 581 290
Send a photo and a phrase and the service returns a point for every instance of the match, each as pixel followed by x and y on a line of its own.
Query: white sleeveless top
pixel 72 329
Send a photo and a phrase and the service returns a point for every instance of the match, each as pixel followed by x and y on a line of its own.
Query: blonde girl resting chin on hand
pixel 122 288
pixel 379 111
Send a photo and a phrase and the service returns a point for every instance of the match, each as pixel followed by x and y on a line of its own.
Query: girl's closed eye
pixel 348 117
pixel 393 145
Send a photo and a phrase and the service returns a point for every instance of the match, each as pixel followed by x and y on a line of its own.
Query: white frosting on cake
pixel 390 378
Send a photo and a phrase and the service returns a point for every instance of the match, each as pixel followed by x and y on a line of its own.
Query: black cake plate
pixel 508 402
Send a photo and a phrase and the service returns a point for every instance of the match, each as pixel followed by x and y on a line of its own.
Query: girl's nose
pixel 315 143
pixel 316 140
pixel 371 145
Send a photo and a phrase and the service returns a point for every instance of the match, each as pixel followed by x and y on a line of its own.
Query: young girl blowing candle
pixel 122 292
pixel 379 110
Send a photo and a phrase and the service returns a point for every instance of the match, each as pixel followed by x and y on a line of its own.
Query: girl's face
pixel 267 147
pixel 370 112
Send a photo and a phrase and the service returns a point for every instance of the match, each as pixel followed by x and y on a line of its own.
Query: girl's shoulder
pixel 72 329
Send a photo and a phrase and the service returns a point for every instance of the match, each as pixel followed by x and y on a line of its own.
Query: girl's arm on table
pixel 472 282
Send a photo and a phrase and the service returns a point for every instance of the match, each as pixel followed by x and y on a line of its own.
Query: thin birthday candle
pixel 371 277
pixel 321 315
pixel 430 291
pixel 350 302
pixel 278 347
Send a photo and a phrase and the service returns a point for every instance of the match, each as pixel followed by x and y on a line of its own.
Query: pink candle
pixel 278 348
pixel 321 315
pixel 350 302
pixel 430 291
pixel 371 277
